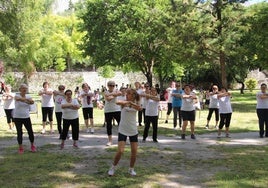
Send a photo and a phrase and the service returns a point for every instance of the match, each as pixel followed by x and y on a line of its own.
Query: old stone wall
pixel 73 79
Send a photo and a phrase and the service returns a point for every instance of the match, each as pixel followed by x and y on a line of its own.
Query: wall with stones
pixel 73 79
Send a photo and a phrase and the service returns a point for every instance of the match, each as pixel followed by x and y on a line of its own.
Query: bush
pixel 251 84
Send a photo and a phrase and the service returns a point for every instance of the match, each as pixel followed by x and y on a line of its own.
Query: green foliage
pixel 10 79
pixel 251 84
pixel 106 71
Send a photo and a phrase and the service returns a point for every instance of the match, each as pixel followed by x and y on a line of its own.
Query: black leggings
pixel 169 108
pixel 109 116
pixel 59 120
pixel 27 124
pixel 210 112
pixel 148 121
pixel 263 120
pixel 9 115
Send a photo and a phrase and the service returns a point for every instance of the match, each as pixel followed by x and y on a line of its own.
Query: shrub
pixel 251 84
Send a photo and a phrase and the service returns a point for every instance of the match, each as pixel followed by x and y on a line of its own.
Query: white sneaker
pixel 92 130
pixel 43 131
pixel 87 130
pixel 132 172
pixel 109 144
pixel 111 170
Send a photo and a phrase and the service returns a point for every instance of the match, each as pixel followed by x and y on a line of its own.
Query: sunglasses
pixel 111 85
pixel 146 86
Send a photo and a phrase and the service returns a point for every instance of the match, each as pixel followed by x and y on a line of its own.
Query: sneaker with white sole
pixel 132 172
pixel 111 171
pixel 87 130
pixel 43 131
pixel 92 130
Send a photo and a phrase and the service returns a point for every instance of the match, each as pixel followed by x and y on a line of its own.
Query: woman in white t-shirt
pixel 70 117
pixel 9 105
pixel 59 96
pixel 87 97
pixel 225 110
pixel 127 128
pixel 22 116
pixel 111 109
pixel 262 110
pixel 47 106
pixel 188 110
pixel 151 113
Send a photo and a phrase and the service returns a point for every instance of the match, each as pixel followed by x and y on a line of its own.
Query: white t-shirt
pixel 140 91
pixel 170 91
pixel 87 101
pixel 213 101
pixel 151 108
pixel 22 109
pixel 111 106
pixel 47 100
pixel 9 103
pixel 261 103
pixel 188 104
pixel 68 113
pixel 58 99
pixel 225 105
pixel 127 125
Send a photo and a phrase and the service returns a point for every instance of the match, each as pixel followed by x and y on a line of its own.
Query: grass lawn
pixel 245 166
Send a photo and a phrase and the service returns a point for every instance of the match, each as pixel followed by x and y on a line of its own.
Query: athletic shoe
pixel 87 130
pixel 75 145
pixel 183 136
pixel 21 150
pixel 92 130
pixel 111 171
pixel 109 144
pixel 33 148
pixel 207 127
pixel 227 135
pixel 155 140
pixel 43 131
pixel 219 135
pixel 132 172
pixel 192 136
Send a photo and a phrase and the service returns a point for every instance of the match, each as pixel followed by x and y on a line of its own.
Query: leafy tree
pixel 251 84
pixel 131 34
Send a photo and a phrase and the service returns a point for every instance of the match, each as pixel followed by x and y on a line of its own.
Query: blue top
pixel 176 101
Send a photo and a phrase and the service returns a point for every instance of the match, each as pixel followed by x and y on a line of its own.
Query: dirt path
pixel 193 151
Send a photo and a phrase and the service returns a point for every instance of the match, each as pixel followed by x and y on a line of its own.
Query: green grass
pixel 245 166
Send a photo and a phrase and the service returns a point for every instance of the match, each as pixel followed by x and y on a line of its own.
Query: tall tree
pixel 131 33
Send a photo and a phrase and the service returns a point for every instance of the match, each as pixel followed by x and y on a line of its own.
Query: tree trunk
pixel 68 61
pixel 223 69
pixel 242 87
pixel 149 76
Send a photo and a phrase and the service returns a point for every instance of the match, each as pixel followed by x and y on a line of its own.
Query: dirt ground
pixel 193 150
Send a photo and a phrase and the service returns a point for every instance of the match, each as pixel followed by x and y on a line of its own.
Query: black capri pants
pixel 47 112
pixel 9 115
pixel 109 116
pixel 88 113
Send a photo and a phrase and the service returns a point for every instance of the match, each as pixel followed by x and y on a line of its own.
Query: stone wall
pixel 73 79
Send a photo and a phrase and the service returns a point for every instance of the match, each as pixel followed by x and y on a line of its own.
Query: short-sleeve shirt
pixel 151 108
pixel 47 100
pixel 225 105
pixel 188 104
pixel 68 113
pixel 213 101
pixel 261 103
pixel 58 100
pixel 111 106
pixel 9 103
pixel 127 125
pixel 87 101
pixel 176 101
pixel 22 109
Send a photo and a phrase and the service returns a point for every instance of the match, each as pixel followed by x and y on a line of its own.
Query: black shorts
pixel 188 115
pixel 122 137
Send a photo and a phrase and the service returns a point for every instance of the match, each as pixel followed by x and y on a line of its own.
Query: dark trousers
pixel 225 119
pixel 47 112
pixel 176 114
pixel 263 120
pixel 148 121
pixel 27 124
pixel 59 120
pixel 109 116
pixel 75 128
pixel 139 117
pixel 169 108
pixel 210 112
pixel 9 115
